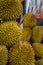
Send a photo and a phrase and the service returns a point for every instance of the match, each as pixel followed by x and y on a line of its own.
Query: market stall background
pixel 36 7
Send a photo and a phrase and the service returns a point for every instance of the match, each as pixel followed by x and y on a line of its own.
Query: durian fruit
pixel 37 34
pixel 39 62
pixel 26 34
pixel 10 9
pixel 29 20
pixel 38 48
pixel 42 27
pixel 21 54
pixel 36 63
pixel 3 55
pixel 10 33
pixel 21 0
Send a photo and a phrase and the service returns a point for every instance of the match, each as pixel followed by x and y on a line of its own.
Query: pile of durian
pixel 19 46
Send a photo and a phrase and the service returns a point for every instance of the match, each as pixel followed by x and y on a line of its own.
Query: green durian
pixel 39 62
pixel 38 48
pixel 26 34
pixel 10 9
pixel 29 20
pixel 21 54
pixel 37 34
pixel 3 55
pixel 10 33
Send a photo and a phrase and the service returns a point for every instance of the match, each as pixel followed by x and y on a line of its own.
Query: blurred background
pixel 34 6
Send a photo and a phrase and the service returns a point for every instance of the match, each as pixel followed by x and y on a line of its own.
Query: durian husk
pixel 39 62
pixel 38 48
pixel 10 33
pixel 10 9
pixel 21 1
pixel 3 55
pixel 27 34
pixel 29 20
pixel 21 54
pixel 37 34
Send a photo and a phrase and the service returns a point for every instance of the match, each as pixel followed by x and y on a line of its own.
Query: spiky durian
pixel 42 31
pixel 29 20
pixel 36 63
pixel 10 33
pixel 21 0
pixel 21 54
pixel 10 9
pixel 26 34
pixel 37 34
pixel 3 55
pixel 38 48
pixel 39 62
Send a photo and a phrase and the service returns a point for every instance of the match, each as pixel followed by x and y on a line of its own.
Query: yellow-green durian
pixel 21 0
pixel 21 54
pixel 38 48
pixel 29 20
pixel 10 33
pixel 37 34
pixel 10 9
pixel 26 34
pixel 39 62
pixel 3 55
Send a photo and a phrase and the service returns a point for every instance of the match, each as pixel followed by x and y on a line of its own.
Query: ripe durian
pixel 10 33
pixel 29 20
pixel 3 55
pixel 26 34
pixel 10 9
pixel 36 63
pixel 37 34
pixel 21 54
pixel 38 48
pixel 21 0
pixel 39 62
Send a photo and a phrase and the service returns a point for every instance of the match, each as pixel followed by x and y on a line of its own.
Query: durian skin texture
pixel 27 34
pixel 38 48
pixel 21 0
pixel 37 34
pixel 29 20
pixel 3 55
pixel 39 62
pixel 10 9
pixel 21 54
pixel 10 33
